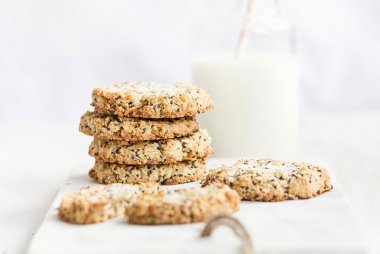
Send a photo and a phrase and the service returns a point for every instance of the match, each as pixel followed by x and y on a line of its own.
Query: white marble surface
pixel 324 224
pixel 36 160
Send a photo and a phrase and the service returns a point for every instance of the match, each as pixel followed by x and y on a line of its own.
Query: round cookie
pixel 135 129
pixel 185 205
pixel 167 151
pixel 151 100
pixel 102 202
pixel 272 180
pixel 174 173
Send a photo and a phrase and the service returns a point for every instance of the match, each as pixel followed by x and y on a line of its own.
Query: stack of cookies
pixel 147 132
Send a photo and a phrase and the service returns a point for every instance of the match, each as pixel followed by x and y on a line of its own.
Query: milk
pixel 256 104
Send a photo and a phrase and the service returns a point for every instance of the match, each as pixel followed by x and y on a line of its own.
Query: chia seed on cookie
pixel 167 174
pixel 151 100
pixel 99 203
pixel 165 151
pixel 272 180
pixel 135 129
pixel 186 205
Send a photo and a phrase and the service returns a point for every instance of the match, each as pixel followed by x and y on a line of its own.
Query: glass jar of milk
pixel 256 92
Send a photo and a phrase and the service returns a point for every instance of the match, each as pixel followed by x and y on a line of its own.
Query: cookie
pixel 135 129
pixel 185 205
pixel 166 151
pixel 272 180
pixel 174 173
pixel 99 203
pixel 151 100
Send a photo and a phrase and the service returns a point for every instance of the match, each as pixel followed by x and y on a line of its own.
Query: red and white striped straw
pixel 244 32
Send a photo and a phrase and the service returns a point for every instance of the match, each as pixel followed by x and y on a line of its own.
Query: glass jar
pixel 255 88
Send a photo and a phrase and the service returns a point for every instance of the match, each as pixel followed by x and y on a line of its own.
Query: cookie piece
pixel 272 180
pixel 166 151
pixel 135 129
pixel 102 202
pixel 174 173
pixel 184 205
pixel 151 100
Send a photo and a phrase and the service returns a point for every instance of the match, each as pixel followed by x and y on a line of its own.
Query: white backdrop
pixel 52 53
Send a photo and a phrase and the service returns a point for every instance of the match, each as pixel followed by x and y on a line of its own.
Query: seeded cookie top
pixel 153 88
pixel 100 193
pixel 187 195
pixel 183 205
pixel 101 202
pixel 262 167
pixel 267 165
pixel 151 100
pixel 272 180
